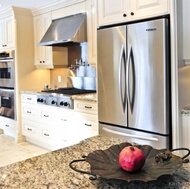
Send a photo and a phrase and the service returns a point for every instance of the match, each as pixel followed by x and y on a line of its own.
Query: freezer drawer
pixel 156 141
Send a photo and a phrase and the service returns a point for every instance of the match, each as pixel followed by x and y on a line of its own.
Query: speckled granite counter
pixel 85 97
pixel 52 171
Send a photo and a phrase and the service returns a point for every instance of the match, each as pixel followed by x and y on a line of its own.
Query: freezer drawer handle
pixel 129 135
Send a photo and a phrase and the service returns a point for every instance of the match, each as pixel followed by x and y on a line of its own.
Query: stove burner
pixel 69 91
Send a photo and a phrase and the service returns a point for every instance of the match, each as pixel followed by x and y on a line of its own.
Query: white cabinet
pixel 92 31
pixel 86 119
pixel 29 110
pixel 46 126
pixel 43 55
pixel 117 11
pixel 6 33
pixel 9 126
pixel 54 127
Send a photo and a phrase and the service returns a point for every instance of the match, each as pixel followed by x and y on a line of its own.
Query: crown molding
pixel 53 6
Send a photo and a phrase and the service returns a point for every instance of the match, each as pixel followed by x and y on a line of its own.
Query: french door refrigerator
pixel 134 82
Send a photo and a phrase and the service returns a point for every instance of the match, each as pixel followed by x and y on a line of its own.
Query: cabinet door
pixel 112 11
pixel 30 129
pixel 148 8
pixel 6 33
pixel 43 55
pixel 92 32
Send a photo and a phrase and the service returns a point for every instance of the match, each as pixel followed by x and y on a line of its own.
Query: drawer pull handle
pixel 29 99
pixel 29 112
pixel 7 125
pixel 29 129
pixel 89 125
pixel 46 134
pixel 46 115
pixel 63 119
pixel 88 107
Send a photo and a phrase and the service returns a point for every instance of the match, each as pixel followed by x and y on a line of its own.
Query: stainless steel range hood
pixel 66 31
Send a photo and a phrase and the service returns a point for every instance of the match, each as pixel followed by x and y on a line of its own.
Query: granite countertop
pixel 92 97
pixel 52 171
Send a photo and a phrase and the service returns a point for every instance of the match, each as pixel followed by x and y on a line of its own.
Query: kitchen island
pixel 51 170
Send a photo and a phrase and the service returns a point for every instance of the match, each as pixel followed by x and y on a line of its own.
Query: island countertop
pixel 52 171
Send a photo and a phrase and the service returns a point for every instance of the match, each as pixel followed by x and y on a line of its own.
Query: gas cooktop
pixel 68 91
pixel 60 97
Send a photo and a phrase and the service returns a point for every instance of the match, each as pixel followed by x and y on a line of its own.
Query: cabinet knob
pixel 132 13
pixel 124 15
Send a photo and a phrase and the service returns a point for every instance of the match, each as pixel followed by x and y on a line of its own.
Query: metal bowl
pixel 87 83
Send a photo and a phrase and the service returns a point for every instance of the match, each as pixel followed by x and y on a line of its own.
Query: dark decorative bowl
pixel 104 163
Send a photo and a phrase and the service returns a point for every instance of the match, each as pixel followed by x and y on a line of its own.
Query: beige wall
pixel 54 73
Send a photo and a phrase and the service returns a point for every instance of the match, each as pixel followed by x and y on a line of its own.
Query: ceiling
pixel 30 4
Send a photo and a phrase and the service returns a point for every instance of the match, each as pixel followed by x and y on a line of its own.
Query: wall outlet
pixel 59 79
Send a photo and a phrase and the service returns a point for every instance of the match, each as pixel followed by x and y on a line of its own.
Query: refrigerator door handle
pixel 130 135
pixel 122 60
pixel 130 64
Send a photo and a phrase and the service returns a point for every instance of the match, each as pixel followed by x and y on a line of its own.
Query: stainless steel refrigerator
pixel 134 82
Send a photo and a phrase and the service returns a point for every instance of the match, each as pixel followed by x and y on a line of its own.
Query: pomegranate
pixel 131 159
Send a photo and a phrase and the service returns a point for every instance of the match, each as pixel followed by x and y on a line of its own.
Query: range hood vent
pixel 66 31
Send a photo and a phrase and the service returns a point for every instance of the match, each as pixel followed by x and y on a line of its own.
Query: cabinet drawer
pixel 32 99
pixel 29 112
pixel 30 129
pixel 87 107
pixel 89 125
pixel 8 126
pixel 47 135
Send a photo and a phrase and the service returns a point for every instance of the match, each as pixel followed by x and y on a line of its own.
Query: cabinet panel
pixel 6 33
pixel 148 8
pixel 86 107
pixel 31 99
pixel 43 55
pixel 113 12
pixel 92 32
pixel 30 129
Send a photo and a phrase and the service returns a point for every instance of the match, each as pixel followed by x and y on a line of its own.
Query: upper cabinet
pixel 43 54
pixel 92 32
pixel 6 33
pixel 118 11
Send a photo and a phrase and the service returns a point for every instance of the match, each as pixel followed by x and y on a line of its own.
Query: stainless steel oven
pixel 7 71
pixel 7 103
pixel 7 85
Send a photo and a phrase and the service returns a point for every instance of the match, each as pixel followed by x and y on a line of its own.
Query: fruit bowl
pixel 104 163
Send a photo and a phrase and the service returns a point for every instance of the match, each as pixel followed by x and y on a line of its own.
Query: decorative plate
pixel 104 163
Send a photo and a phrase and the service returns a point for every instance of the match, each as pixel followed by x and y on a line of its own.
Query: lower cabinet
pixel 9 126
pixel 54 127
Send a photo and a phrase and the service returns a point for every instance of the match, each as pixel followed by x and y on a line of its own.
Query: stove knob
pixel 41 100
pixel 38 100
pixel 61 103
pixel 53 102
pixel 65 104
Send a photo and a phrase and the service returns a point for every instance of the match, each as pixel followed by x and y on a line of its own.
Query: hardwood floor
pixel 11 152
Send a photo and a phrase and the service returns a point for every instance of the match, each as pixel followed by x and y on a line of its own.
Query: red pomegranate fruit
pixel 131 159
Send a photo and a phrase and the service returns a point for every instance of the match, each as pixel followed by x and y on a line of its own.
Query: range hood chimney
pixel 66 31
